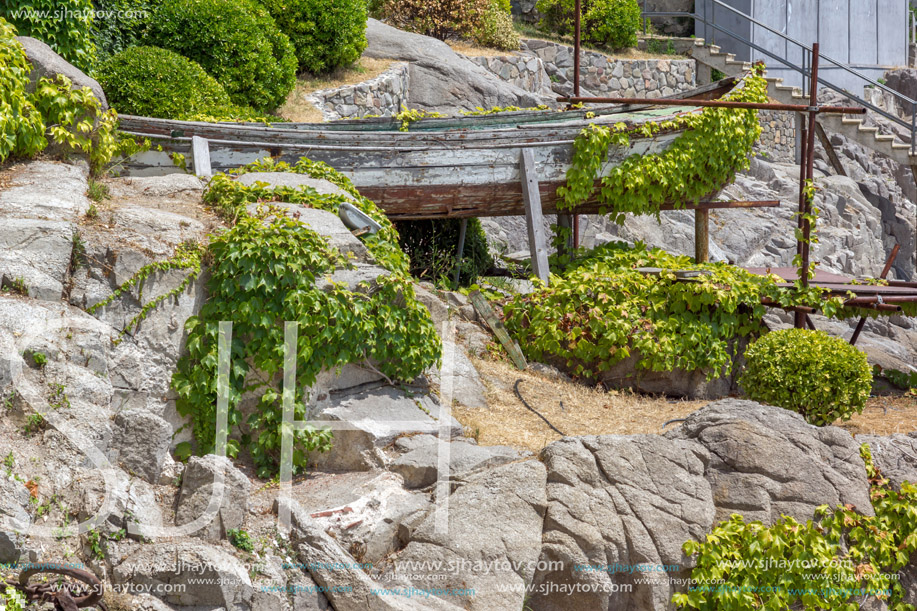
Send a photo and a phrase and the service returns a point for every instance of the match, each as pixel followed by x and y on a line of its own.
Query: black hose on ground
pixel 533 410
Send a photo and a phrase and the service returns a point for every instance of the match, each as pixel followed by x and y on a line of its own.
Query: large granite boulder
pixel 46 63
pixel 619 503
pixel 441 79
pixel 208 478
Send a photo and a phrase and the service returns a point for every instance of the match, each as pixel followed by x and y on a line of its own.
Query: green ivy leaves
pixel 833 562
pixel 715 145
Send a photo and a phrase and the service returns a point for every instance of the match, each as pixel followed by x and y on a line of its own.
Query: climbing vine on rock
pixel 833 562
pixel 230 198
pixel 187 257
pixel 264 271
pixel 714 146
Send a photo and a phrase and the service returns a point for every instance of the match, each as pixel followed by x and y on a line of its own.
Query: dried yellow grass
pixel 472 50
pixel 585 411
pixel 299 110
pixel 898 416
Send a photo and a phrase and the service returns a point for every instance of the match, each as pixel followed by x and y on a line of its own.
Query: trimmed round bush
pixel 325 33
pixel 495 28
pixel 153 82
pixel 235 41
pixel 823 378
pixel 613 23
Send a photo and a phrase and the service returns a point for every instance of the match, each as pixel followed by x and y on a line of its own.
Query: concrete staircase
pixel 713 57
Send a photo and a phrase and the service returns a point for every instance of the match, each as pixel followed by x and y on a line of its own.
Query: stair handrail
pixel 806 73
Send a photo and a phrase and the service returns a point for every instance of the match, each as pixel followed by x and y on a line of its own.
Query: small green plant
pixel 16 285
pixel 235 41
pixel 10 463
pixel 95 543
pixel 240 539
pixel 823 378
pixel 409 115
pixel 97 191
pixel 39 358
pixel 78 249
pixel 58 398
pixel 903 380
pixel 12 599
pixel 92 213
pixel 34 424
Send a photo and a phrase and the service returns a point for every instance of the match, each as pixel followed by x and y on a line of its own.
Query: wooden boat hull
pixel 443 167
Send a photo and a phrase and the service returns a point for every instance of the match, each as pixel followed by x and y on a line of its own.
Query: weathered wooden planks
pixel 534 221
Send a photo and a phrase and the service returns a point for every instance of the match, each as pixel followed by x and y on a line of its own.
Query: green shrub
pixel 21 126
pixel 822 378
pixel 432 245
pixel 613 23
pixel 120 24
pixel 325 33
pixel 440 19
pixel 64 25
pixel 495 28
pixel 152 82
pixel 235 41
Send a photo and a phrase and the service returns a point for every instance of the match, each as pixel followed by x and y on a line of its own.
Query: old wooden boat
pixel 457 167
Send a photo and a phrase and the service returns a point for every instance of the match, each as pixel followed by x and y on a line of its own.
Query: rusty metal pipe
pixel 835 110
pixel 576 46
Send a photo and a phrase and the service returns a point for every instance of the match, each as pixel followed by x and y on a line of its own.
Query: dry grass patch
pixel 472 50
pixel 884 416
pixel 585 411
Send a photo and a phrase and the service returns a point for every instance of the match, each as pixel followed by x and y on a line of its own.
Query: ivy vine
pixel 836 561
pixel 714 146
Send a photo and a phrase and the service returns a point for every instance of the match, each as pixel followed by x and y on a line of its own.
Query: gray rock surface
pixel 625 501
pixel 894 455
pixel 38 209
pixel 492 527
pixel 616 500
pixel 200 481
pixel 419 467
pixel 374 419
pixel 212 578
pixel 440 79
pixel 142 440
pixel 46 63
pixel 348 588
pixel 14 518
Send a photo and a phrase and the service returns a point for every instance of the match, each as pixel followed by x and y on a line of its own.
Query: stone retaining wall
pixel 778 135
pixel 524 71
pixel 383 95
pixel 603 75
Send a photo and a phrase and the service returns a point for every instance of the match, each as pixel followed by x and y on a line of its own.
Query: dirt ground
pixel 573 408
pixel 577 409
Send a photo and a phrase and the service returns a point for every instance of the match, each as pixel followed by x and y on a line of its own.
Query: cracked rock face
pixel 619 501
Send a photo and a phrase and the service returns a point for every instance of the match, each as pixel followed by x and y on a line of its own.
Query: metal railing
pixel 709 22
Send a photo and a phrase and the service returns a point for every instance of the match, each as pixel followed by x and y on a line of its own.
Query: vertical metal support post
pixel 701 236
pixel 565 221
pixel 460 253
pixel 644 18
pixel 575 231
pixel 576 47
pixel 534 220
pixel 806 173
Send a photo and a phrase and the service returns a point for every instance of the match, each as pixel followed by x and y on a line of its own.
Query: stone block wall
pixel 778 135
pixel 383 95
pixel 602 75
pixel 524 71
